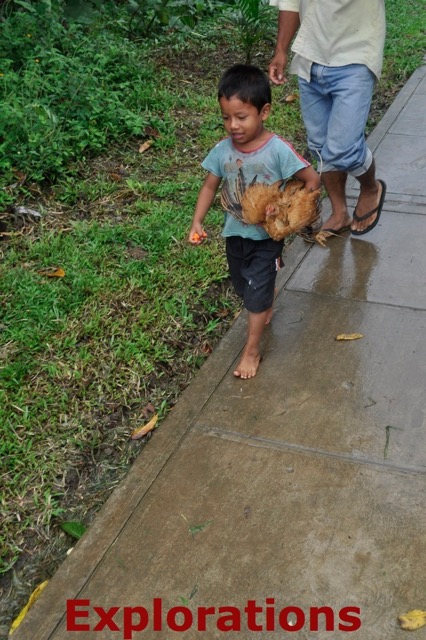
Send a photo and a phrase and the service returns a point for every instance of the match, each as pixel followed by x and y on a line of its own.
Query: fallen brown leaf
pixel 146 145
pixel 151 132
pixel 52 273
pixel 291 98
pixel 206 348
pixel 141 431
pixel 148 410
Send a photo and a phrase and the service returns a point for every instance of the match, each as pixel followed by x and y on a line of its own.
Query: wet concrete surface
pixel 300 489
pixel 337 397
pixel 386 266
pixel 306 530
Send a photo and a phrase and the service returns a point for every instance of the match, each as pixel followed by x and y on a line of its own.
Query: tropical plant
pixel 254 22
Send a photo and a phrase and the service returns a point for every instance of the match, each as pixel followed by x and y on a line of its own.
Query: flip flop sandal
pixel 377 209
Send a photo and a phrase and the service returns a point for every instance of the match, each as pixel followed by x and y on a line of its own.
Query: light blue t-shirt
pixel 274 160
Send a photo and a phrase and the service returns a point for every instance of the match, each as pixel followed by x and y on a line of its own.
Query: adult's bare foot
pixel 248 365
pixel 335 185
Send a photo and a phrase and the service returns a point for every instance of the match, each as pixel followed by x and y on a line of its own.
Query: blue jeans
pixel 335 106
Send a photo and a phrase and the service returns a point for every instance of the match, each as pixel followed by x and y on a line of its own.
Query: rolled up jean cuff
pixel 359 171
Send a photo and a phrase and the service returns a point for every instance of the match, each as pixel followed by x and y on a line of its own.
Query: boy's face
pixel 243 122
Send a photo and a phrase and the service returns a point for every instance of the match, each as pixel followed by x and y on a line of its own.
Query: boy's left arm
pixel 310 177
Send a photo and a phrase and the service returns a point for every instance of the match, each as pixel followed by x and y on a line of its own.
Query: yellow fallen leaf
pixel 146 145
pixel 141 431
pixel 349 336
pixel 52 273
pixel 33 597
pixel 291 98
pixel 412 620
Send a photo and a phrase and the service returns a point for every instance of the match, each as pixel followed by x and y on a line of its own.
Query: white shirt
pixel 336 33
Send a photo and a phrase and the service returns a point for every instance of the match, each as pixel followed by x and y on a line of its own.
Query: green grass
pixel 405 40
pixel 114 315
pixel 138 308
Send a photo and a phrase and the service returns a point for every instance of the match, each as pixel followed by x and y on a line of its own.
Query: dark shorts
pixel 253 266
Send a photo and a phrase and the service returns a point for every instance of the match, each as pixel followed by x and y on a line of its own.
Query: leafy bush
pixel 68 90
pixel 70 84
pixel 150 17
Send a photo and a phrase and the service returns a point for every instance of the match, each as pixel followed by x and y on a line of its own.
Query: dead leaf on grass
pixel 25 211
pixel 145 145
pixel 206 348
pixel 349 336
pixel 291 98
pixel 148 410
pixel 141 431
pixel 151 132
pixel 53 272
pixel 412 620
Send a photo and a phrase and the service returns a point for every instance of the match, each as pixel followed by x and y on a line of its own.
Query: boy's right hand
pixel 197 235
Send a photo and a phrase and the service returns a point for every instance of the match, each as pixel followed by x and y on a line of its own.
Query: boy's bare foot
pixel 247 367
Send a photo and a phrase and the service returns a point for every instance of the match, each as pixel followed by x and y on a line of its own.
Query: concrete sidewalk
pixel 299 489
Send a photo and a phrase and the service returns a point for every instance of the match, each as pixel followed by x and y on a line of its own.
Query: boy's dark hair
pixel 247 83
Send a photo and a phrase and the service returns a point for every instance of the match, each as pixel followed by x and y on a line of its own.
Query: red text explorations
pixel 133 621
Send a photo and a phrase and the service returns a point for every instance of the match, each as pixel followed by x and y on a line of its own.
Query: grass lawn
pixel 106 312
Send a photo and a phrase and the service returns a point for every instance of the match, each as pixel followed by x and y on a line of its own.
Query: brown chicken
pixel 283 212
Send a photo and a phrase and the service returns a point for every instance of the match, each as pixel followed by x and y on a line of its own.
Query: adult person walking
pixel 338 54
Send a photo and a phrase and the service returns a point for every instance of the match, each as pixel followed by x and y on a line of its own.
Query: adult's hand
pixel 277 67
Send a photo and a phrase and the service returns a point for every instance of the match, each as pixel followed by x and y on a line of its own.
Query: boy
pixel 249 154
